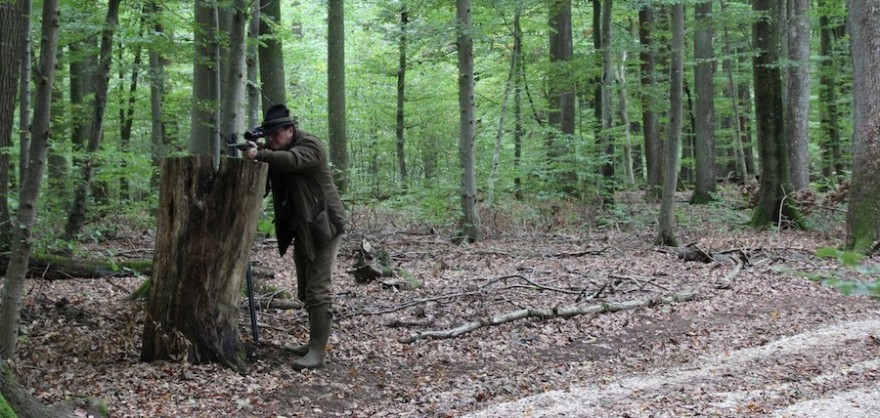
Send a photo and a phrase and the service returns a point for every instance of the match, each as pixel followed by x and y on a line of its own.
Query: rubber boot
pixel 319 332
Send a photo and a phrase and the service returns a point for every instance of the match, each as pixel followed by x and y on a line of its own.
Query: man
pixel 309 213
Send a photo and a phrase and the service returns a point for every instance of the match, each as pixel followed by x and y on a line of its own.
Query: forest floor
pixel 747 338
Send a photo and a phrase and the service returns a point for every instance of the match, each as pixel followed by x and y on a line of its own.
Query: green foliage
pixel 6 410
pixel 854 278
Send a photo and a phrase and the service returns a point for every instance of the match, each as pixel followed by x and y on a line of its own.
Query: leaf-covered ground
pixel 753 341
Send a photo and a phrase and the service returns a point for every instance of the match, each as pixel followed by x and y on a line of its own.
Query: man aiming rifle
pixel 308 213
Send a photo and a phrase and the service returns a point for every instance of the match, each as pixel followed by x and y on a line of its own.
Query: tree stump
pixel 206 224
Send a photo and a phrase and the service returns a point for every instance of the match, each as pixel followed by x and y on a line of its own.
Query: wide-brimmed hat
pixel 277 117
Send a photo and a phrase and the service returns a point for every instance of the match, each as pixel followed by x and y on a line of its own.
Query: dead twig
pixel 558 312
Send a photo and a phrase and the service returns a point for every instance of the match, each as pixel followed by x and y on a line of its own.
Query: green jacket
pixel 307 204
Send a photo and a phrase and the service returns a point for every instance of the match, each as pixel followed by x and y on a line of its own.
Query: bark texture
pixel 797 110
pixel 271 56
pixel 863 215
pixel 205 228
pixel 205 132
pixel 336 133
pixel 773 207
pixel 704 140
pixel 650 121
pixel 10 48
pixel 470 228
pixel 666 235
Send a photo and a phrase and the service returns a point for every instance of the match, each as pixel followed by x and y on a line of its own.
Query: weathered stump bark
pixel 205 228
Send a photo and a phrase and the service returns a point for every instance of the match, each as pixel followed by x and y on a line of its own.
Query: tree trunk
pixel 205 132
pixel 272 84
pixel 470 228
pixel 797 109
pixel 739 152
pixel 401 99
pixel 336 117
pixel 96 132
pixel 126 111
pixel 518 130
pixel 58 177
pixel 863 214
pixel 829 119
pixel 666 219
pixel 10 48
pixel 773 206
pixel 233 99
pixel 198 267
pixel 606 141
pixel 29 192
pixel 650 122
pixel 561 100
pixel 704 140
pixel 496 152
pixel 157 92
pixel 745 98
pixel 624 120
pixel 253 87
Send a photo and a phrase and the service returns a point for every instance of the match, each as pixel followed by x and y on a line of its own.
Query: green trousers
pixel 313 277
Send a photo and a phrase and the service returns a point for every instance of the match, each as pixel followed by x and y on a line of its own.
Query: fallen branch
pixel 559 312
pixel 727 280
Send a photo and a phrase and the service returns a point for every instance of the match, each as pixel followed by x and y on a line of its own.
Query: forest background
pixel 544 111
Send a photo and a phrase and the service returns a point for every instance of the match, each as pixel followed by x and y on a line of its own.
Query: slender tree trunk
pixel 157 91
pixel 773 204
pixel 336 92
pixel 863 214
pixel 666 219
pixel 518 130
pixel 624 120
pixel 253 86
pixel 650 122
pixel 562 96
pixel 606 140
pixel 745 97
pixel 29 192
pixel 10 47
pixel 704 140
pixel 126 112
pixel 96 132
pixel 57 180
pixel 205 133
pixel 686 173
pixel 233 98
pixel 828 74
pixel 470 223
pixel 272 84
pixel 24 87
pixel 739 152
pixel 496 152
pixel 797 110
pixel 401 100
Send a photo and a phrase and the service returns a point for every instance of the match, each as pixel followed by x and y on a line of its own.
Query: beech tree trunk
pixel 650 122
pixel 704 139
pixel 29 192
pixel 666 235
pixel 561 101
pixel 205 132
pixel 606 141
pixel 728 64
pixel 470 228
pixel 773 207
pixel 205 229
pixel 271 56
pixel 401 99
pixel 96 132
pixel 336 116
pixel 797 109
pixel 157 90
pixel 863 215
pixel 233 97
pixel 10 48
pixel 828 76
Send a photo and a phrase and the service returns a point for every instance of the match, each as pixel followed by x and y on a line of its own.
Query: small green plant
pixel 855 277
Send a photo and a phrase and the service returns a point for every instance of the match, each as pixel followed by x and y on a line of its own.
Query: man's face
pixel 280 139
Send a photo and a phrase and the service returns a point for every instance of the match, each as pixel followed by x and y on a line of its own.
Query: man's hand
pixel 250 152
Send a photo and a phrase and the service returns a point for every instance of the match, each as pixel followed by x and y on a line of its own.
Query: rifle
pixel 232 144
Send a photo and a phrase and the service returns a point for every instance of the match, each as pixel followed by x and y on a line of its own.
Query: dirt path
pixel 745 380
